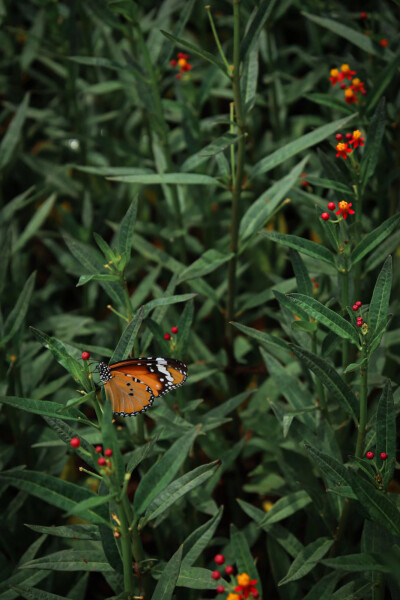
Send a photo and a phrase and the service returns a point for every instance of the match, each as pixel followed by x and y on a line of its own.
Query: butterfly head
pixel 104 371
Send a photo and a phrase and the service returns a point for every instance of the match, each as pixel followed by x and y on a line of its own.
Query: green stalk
pixel 128 305
pixel 318 384
pixel 217 41
pixel 126 549
pixel 344 278
pixel 363 405
pixel 236 193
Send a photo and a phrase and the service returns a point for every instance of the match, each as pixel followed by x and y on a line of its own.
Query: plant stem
pixel 318 384
pixel 217 41
pixel 363 406
pixel 378 591
pixel 344 277
pixel 126 549
pixel 237 188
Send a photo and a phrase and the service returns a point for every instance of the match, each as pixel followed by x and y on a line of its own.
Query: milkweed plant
pixel 218 185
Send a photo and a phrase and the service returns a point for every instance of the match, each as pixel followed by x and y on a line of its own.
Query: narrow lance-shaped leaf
pixel 302 245
pixel 330 378
pixel 197 541
pixel 196 50
pixel 377 504
pixel 168 178
pixel 382 81
pixel 379 305
pixel 285 507
pixel 125 343
pixel 333 472
pixel 35 223
pixel 303 280
pixel 244 559
pixel 307 559
pixel 373 239
pixel 260 16
pixel 126 228
pixel 326 316
pixel 169 577
pixel 207 263
pixel 373 144
pixel 18 313
pixel 13 134
pixel 386 431
pixel 72 560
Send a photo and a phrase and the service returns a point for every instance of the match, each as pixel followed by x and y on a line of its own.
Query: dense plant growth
pixel 219 185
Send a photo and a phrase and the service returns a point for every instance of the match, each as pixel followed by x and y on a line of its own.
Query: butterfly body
pixel 131 385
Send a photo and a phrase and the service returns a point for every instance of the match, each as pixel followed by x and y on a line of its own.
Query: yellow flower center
pixel 233 597
pixel 356 81
pixel 343 205
pixel 267 504
pixel 182 62
pixel 243 579
pixel 345 68
pixel 348 93
pixel 340 147
pixel 334 72
pixel 356 134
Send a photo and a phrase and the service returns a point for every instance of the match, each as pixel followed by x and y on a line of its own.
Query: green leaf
pixel 83 279
pixel 80 532
pixel 323 589
pixel 285 507
pixel 55 491
pixel 377 504
pixel 6 587
pixel 65 433
pixel 169 577
pixel 110 440
pixel 268 340
pixel 334 473
pixel 330 102
pixel 330 184
pixel 382 81
pixel 379 305
pixel 163 471
pixel 184 326
pixel 326 316
pixel 72 560
pixel 84 505
pixel 303 279
pixel 177 489
pixel 218 145
pixel 307 559
pixel 298 145
pixel 267 204
pixel 373 239
pixel 243 557
pixel 330 378
pixel 168 178
pixel 45 408
pixel 196 578
pixel 125 233
pixel 108 254
pixel 259 19
pixel 35 594
pixel 198 540
pixel 16 317
pixel 166 301
pixel 35 223
pixel 13 133
pixel 196 50
pixel 356 562
pixel 302 245
pixel 126 341
pixel 350 35
pixel 209 261
pixel 386 432
pixel 373 144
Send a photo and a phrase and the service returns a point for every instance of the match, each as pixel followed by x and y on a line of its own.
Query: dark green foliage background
pixel 88 98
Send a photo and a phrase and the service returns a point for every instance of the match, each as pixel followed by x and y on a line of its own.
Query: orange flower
pixel 182 63
pixel 344 209
pixel 336 76
pixel 343 150
pixel 246 586
pixel 347 72
pixel 358 86
pixel 357 140
pixel 350 96
pixel 233 597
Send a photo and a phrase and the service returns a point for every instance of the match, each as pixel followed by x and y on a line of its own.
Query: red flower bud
pixel 355 307
pixel 331 206
pixel 167 336
pixel 359 304
pixel 102 462
pixel 108 452
pixel 383 43
pixel 325 216
pixel 85 356
pixel 363 15
pixel 229 569
pixel 220 589
pixel 370 455
pixel 383 456
pixel 99 449
pixel 255 594
pixel 339 137
pixel 216 575
pixel 174 330
pixel 348 136
pixel 172 62
pixel 75 442
pixel 343 86
pixel 219 559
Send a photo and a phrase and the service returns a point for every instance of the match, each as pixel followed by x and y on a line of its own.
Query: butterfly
pixel 131 385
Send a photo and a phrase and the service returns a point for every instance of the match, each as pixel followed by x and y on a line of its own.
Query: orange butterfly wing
pixel 131 385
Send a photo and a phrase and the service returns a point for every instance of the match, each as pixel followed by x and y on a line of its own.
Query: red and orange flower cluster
pixel 355 139
pixel 241 589
pixel 350 91
pixel 182 63
pixel 344 210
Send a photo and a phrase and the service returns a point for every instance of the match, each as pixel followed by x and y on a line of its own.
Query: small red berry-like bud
pixel 383 456
pixel 325 216
pixel 359 304
pixel 363 15
pixel 355 307
pixel 117 534
pixel 359 323
pixel 102 462
pixel 99 449
pixel 220 589
pixel 370 455
pixel 219 559
pixel 85 356
pixel 348 136
pixel 216 575
pixel 75 442
pixel 108 452
pixel 342 86
pixel 229 569
pixel 383 43
pixel 178 76
pixel 174 330
pixel 172 62
pixel 331 206
pixel 255 594
pixel 339 137
pixel 167 336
